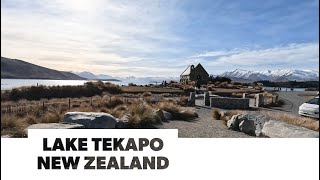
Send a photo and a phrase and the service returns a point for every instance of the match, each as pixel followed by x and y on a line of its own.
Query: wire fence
pixel 70 104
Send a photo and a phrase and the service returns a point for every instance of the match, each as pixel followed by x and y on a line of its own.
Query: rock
pixel 91 120
pixel 125 118
pixel 6 136
pixel 248 123
pixel 55 126
pixel 233 123
pixel 158 112
pixel 278 129
pixel 167 116
pixel 252 124
pixel 122 123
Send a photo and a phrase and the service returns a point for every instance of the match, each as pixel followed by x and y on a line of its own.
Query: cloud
pixel 154 38
pixel 290 55
pixel 108 33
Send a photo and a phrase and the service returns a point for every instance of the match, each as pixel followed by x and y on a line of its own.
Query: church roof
pixel 187 71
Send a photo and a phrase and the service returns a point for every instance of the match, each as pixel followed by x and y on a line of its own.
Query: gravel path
pixel 202 127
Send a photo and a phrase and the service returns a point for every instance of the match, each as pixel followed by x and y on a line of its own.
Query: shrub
pixel 10 122
pixel 142 115
pixel 30 120
pixel 146 94
pixel 51 117
pixel 183 101
pixel 176 111
pixel 48 92
pixel 216 114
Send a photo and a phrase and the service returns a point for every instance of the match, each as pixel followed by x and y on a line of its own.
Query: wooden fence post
pixel 69 104
pixel 91 101
pixel 43 108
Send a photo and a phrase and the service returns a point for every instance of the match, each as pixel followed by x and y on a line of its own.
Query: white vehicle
pixel 310 108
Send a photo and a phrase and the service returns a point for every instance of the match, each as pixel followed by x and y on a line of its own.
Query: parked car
pixel 310 108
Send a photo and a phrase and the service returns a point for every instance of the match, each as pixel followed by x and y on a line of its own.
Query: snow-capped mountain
pixel 272 75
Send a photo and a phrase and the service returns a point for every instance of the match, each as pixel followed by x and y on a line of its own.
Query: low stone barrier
pixel 229 103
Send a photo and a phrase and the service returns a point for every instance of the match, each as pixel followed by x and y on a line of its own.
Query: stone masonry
pixel 229 103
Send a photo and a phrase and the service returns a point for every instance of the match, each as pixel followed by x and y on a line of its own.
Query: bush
pixel 48 92
pixel 10 122
pixel 142 115
pixel 51 117
pixel 216 114
pixel 183 101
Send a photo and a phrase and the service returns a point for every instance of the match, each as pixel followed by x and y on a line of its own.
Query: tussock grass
pixel 306 122
pixel 216 114
pixel 309 123
pixel 143 115
pixel 10 122
pixel 51 117
pixel 120 111
pixel 178 113
pixel 140 113
pixel 30 120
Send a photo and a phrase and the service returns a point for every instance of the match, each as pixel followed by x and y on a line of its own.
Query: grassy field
pixel 139 89
pixel 138 108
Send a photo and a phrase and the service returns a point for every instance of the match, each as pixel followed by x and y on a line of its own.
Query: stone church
pixel 194 73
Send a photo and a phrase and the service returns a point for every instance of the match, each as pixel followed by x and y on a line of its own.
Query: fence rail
pixel 69 104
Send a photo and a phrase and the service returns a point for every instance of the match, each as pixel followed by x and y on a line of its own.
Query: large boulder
pixel 233 123
pixel 248 123
pixel 91 120
pixel 55 126
pixel 278 129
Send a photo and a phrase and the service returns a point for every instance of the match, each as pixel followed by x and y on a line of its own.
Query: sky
pixel 161 37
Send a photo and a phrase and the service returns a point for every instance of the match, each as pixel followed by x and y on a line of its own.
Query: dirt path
pixel 203 127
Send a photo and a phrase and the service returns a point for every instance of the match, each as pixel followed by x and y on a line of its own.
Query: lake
pixel 13 83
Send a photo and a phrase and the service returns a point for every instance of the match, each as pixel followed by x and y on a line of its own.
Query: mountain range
pixel 18 69
pixel 272 75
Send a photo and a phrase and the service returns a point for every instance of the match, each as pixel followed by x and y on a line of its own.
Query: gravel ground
pixel 202 127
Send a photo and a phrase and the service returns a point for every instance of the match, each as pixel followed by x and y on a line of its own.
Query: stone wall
pixel 229 103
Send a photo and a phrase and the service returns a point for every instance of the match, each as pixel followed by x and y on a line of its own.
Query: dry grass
pixel 224 116
pixel 309 123
pixel 183 101
pixel 51 117
pixel 10 122
pixel 13 126
pixel 216 114
pixel 306 122
pixel 143 115
pixel 139 89
pixel 141 112
pixel 177 112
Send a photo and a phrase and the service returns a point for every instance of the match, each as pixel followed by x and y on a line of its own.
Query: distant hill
pixel 18 69
pixel 86 75
pixel 89 75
